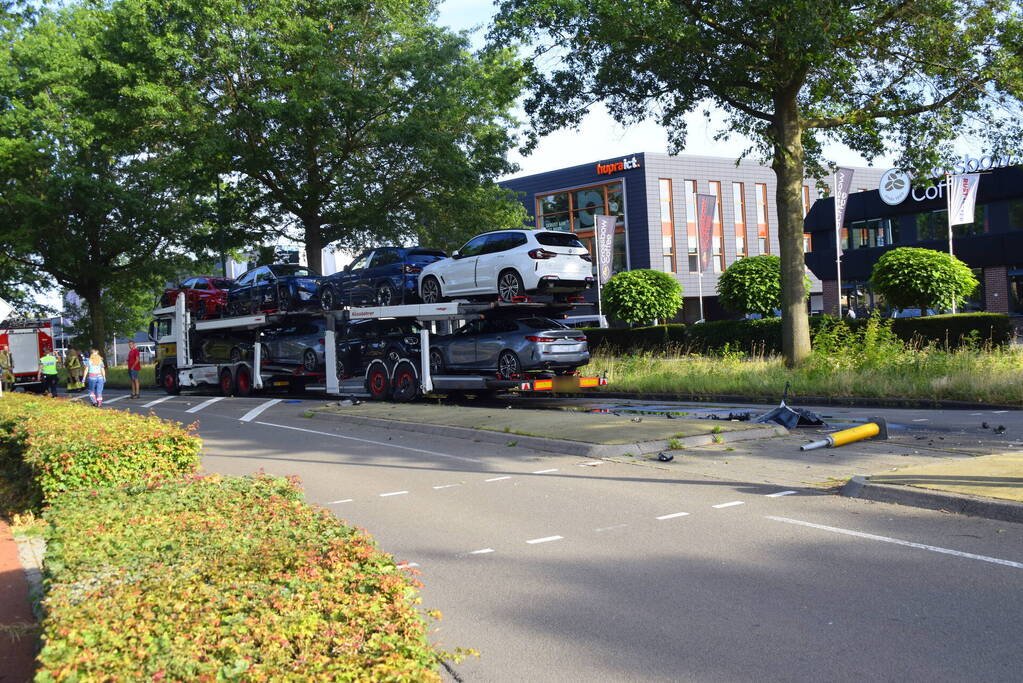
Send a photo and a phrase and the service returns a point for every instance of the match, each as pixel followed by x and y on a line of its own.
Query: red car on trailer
pixel 205 296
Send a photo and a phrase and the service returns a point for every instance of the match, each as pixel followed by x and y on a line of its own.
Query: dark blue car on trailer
pixel 385 276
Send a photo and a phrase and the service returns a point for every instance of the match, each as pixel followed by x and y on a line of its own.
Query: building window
pixel 761 193
pixel 718 228
pixel 667 226
pixel 576 211
pixel 932 225
pixel 807 242
pixel 691 230
pixel 1016 214
pixel 739 210
pixel 806 200
pixel 876 232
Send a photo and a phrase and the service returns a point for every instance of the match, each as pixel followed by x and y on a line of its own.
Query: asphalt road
pixel 558 568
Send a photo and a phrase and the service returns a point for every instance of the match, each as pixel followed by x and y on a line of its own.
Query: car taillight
pixel 408 268
pixel 579 338
pixel 322 341
pixel 531 338
pixel 586 257
pixel 541 254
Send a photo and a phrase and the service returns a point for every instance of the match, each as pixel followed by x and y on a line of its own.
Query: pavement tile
pixel 17 649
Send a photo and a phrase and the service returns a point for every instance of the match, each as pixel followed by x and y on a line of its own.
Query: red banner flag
pixel 705 205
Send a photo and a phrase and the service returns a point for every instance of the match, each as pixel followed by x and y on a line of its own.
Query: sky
pixel 599 136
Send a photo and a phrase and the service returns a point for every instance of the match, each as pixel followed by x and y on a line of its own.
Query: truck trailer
pixel 27 340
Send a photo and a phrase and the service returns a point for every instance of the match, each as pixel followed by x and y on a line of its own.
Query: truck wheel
pixel 328 299
pixel 406 384
pixel 243 382
pixel 169 381
pixel 509 286
pixel 377 383
pixel 236 355
pixel 508 364
pixel 309 361
pixel 226 382
pixel 436 362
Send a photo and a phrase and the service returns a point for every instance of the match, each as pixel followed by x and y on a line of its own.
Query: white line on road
pixel 202 405
pixel 546 539
pixel 673 515
pixel 728 505
pixel 592 463
pixel 999 412
pixel 546 471
pixel 407 565
pixel 336 502
pixel 896 541
pixel 484 551
pixel 779 494
pixel 922 419
pixel 116 398
pixel 377 443
pixel 976 413
pixel 497 479
pixel 393 493
pixel 608 528
pixel 446 486
pixel 159 400
pixel 254 413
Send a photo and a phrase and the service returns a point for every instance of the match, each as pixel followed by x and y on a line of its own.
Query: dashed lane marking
pixel 159 400
pixel 545 539
pixel 445 486
pixel 254 413
pixel 393 493
pixel 921 419
pixel 999 412
pixel 728 505
pixel 673 515
pixel 609 528
pixel 482 551
pixel 592 463
pixel 204 404
pixel 376 443
pixel 545 471
pixel 896 541
pixel 337 502
pixel 115 398
pixel 497 479
pixel 779 494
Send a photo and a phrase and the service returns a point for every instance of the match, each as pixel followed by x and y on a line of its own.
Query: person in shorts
pixel 96 376
pixel 134 367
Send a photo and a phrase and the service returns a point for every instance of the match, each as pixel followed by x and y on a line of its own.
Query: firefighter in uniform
pixel 6 369
pixel 48 372
pixel 73 364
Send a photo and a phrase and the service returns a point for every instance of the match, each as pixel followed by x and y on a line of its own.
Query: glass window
pixel 806 199
pixel 1016 214
pixel 739 213
pixel 807 243
pixel 551 240
pixel 503 241
pixel 719 236
pixel 473 247
pixel 541 324
pixel 221 283
pixel 615 201
pixel 288 270
pixel 247 278
pixel 554 203
pixel 557 221
pixel 361 262
pixel 667 226
pixel 691 234
pixel 762 227
pixel 200 283
pixel 384 257
pixel 586 204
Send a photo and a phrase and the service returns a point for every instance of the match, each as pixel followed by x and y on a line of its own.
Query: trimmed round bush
pixel 911 277
pixel 640 296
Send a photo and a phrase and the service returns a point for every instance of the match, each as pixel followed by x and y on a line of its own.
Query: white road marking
pixel 922 419
pixel 254 413
pixel 407 565
pixel 196 409
pixel 896 541
pixel 484 551
pixel 673 515
pixel 159 400
pixel 335 502
pixel 446 486
pixel 728 505
pixel 393 493
pixel 116 398
pixel 592 463
pixel 497 479
pixel 976 413
pixel 546 539
pixel 779 494
pixel 546 471
pixel 377 443
pixel 79 397
pixel 608 528
pixel 999 412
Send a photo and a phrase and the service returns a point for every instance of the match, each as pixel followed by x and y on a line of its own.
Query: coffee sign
pixel 896 185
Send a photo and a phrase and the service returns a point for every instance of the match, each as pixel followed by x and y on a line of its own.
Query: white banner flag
pixel 5 310
pixel 962 197
pixel 843 182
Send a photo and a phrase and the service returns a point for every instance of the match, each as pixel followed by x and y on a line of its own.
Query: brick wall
pixel 830 296
pixel 996 290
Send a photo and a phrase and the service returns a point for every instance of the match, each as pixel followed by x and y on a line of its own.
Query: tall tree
pixel 357 121
pixel 872 74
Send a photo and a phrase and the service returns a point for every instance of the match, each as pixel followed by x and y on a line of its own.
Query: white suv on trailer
pixel 510 264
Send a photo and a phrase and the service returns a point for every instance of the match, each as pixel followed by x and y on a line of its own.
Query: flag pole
pixel 948 200
pixel 838 248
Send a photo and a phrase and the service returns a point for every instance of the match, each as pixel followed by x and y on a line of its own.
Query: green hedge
pixel 52 445
pixel 765 335
pixel 223 579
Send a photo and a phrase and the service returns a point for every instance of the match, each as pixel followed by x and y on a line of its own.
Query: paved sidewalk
pixel 991 476
pixel 17 656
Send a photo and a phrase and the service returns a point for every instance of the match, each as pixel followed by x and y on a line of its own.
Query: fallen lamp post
pixel 877 427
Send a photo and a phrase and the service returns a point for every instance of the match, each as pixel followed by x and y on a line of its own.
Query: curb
pixel 793 399
pixel 561 445
pixel 989 508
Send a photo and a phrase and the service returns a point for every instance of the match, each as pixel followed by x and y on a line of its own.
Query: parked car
pixel 299 341
pixel 222 348
pixel 360 342
pixel 510 264
pixel 205 296
pixel 510 347
pixel 385 276
pixel 280 287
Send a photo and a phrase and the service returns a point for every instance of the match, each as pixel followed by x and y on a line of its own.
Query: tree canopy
pixel 909 76
pixel 909 277
pixel 751 285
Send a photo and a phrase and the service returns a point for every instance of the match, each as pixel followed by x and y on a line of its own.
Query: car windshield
pixel 221 283
pixel 558 239
pixel 288 270
pixel 541 324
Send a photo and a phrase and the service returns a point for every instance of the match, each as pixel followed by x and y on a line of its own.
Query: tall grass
pixel 870 363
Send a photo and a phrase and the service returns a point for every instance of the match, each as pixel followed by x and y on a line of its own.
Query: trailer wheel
pixel 243 382
pixel 169 381
pixel 226 382
pixel 377 383
pixel 406 384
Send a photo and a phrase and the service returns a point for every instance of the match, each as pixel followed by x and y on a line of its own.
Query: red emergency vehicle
pixel 27 340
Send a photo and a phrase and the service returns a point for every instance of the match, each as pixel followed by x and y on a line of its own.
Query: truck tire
pixel 226 382
pixel 243 382
pixel 406 383
pixel 169 381
pixel 378 385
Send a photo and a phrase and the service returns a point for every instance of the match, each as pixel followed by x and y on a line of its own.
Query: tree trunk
pixel 97 320
pixel 313 244
pixel 788 168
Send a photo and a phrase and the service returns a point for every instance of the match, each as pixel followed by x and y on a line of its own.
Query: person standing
pixel 134 367
pixel 73 365
pixel 96 376
pixel 6 369
pixel 48 371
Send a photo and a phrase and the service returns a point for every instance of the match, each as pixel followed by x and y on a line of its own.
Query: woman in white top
pixel 96 376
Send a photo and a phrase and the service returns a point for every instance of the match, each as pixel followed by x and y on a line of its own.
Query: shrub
pixel 640 296
pixel 751 285
pixel 911 277
pixel 223 579
pixel 52 445
pixel 637 338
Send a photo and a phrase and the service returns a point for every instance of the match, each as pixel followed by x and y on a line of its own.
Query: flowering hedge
pixel 215 578
pixel 53 445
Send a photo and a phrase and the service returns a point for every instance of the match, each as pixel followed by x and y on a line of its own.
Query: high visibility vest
pixel 73 362
pixel 49 363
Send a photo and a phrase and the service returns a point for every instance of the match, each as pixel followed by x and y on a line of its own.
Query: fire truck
pixel 178 336
pixel 27 340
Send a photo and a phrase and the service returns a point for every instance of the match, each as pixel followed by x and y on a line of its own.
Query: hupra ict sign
pixel 896 185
